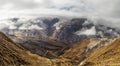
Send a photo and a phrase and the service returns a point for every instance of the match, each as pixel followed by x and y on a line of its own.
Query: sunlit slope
pixel 105 56
pixel 12 54
pixel 15 55
pixel 77 53
pixel 88 51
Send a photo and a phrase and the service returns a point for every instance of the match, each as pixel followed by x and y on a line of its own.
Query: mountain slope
pixel 15 55
pixel 12 54
pixel 49 37
pixel 108 55
pixel 88 52
pixel 64 41
pixel 67 30
pixel 81 51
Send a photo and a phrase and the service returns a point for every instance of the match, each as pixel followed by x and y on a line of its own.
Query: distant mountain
pixel 67 30
pixel 54 35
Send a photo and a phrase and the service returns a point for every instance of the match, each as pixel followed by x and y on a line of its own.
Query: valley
pixel 58 42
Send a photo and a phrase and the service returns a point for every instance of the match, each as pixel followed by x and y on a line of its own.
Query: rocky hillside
pixel 82 50
pixel 57 41
pixel 51 36
pixel 12 54
pixel 88 52
pixel 108 55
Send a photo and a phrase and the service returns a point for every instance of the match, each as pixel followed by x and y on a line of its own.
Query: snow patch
pixel 59 24
pixel 91 31
pixel 35 27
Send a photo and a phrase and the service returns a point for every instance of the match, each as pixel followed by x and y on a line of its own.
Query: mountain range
pixel 58 41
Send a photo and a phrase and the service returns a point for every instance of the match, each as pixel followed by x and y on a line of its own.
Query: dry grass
pixel 77 52
pixel 106 56
pixel 12 54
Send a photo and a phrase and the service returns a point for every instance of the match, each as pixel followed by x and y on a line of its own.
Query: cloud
pixel 108 8
pixel 115 9
pixel 2 26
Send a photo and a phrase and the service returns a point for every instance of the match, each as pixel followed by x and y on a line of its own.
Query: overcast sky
pixel 108 8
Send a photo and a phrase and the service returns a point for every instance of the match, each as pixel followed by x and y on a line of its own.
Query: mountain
pixel 80 51
pixel 12 54
pixel 87 52
pixel 67 30
pixel 51 36
pixel 108 55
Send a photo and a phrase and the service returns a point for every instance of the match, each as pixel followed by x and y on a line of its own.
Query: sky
pixel 99 8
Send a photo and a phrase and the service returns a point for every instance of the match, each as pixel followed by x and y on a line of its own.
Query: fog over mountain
pixel 99 11
pixel 38 22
